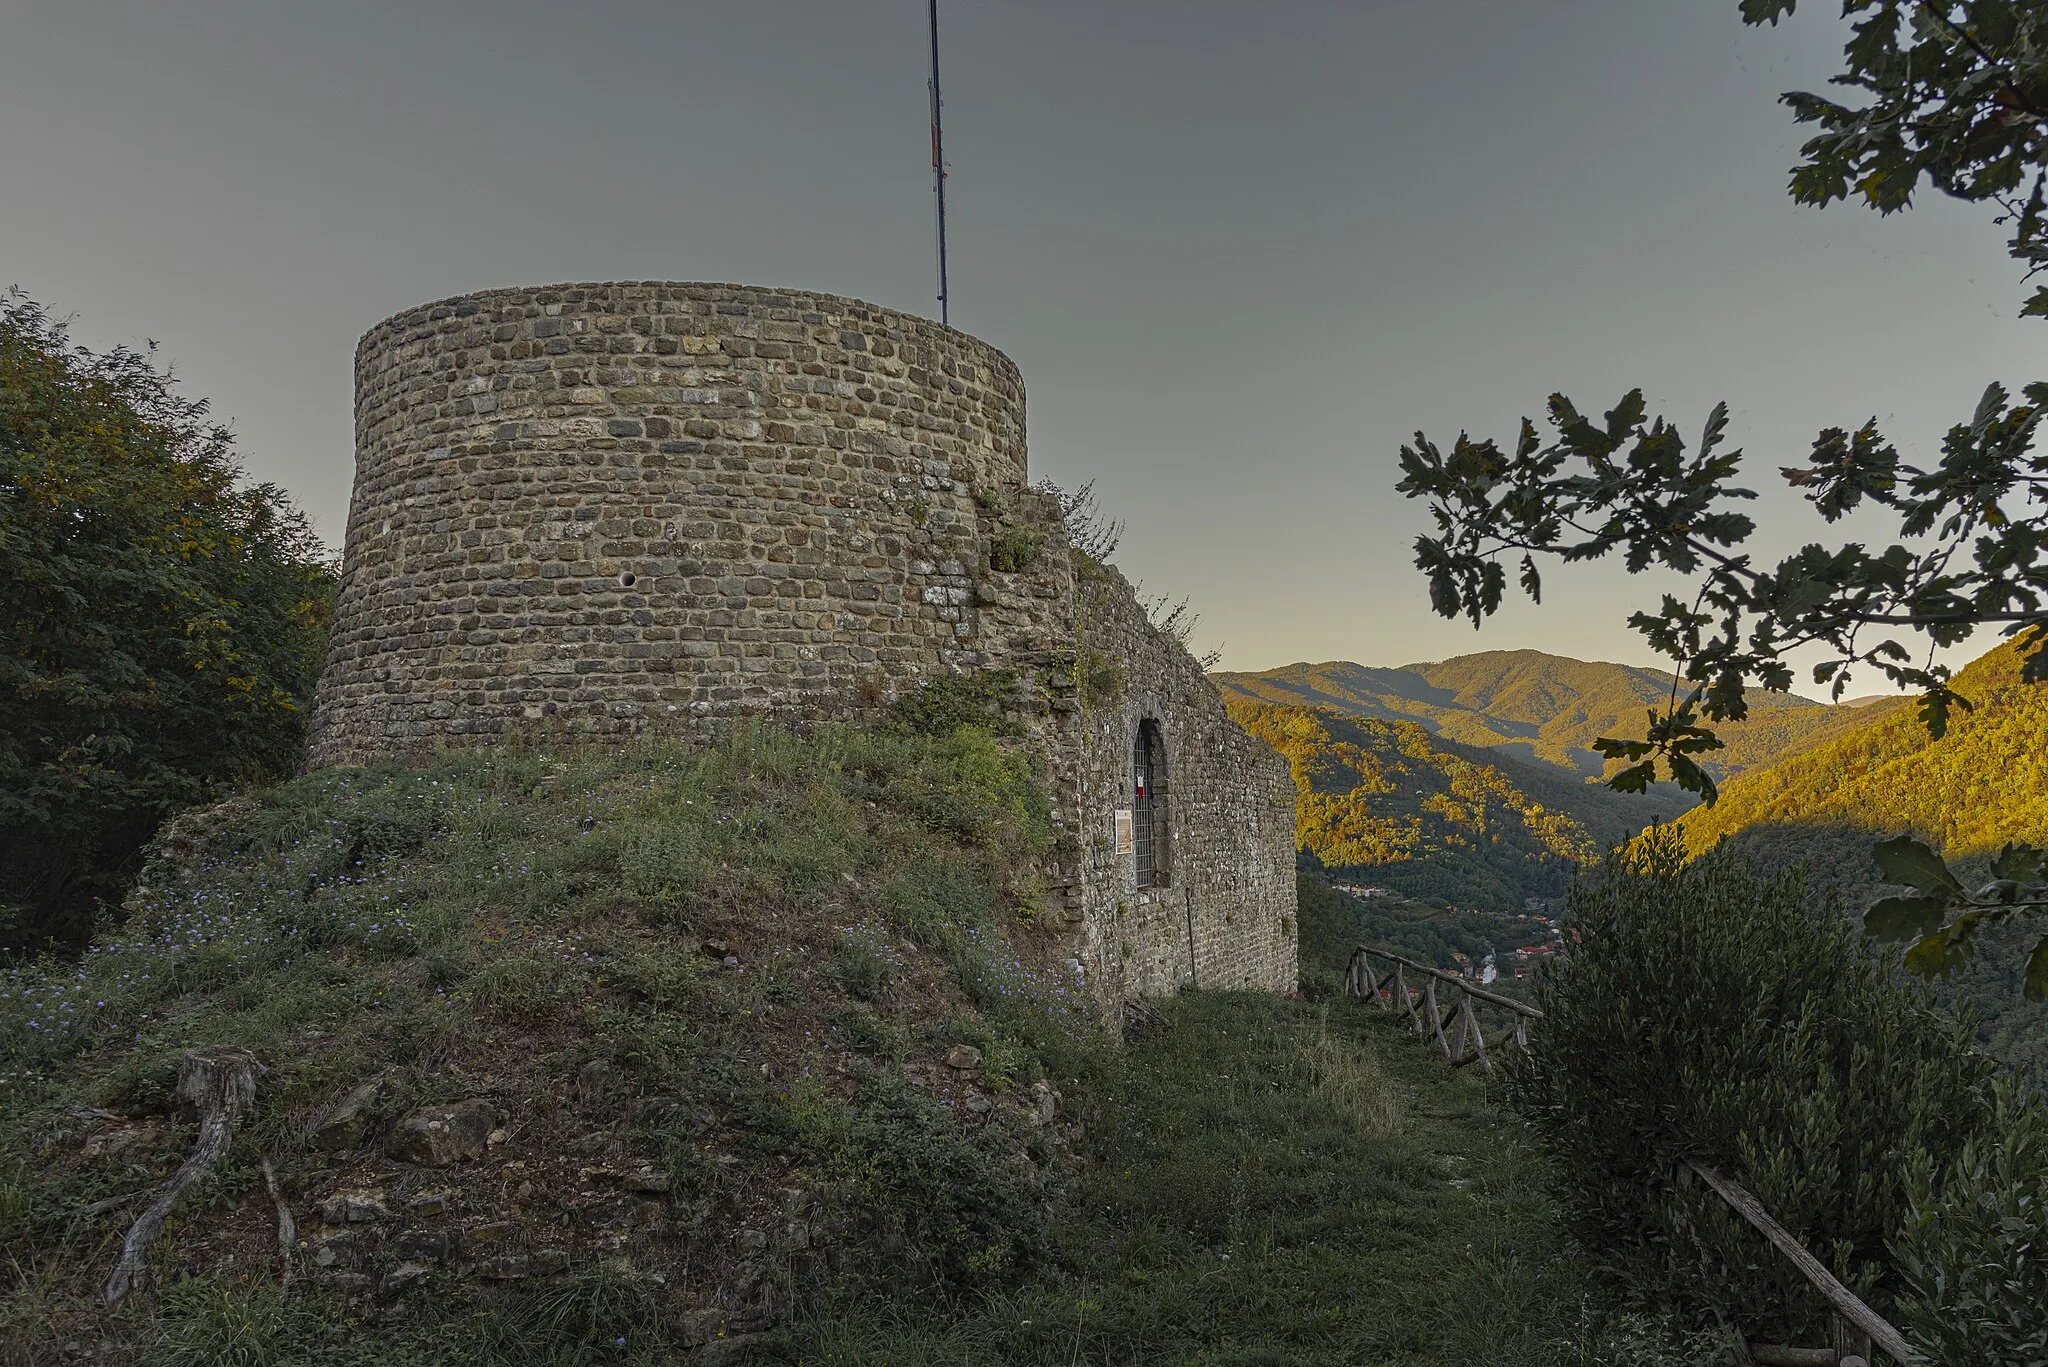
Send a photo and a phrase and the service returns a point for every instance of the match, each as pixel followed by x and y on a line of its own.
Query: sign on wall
pixel 1125 842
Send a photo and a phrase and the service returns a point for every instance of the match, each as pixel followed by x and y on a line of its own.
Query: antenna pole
pixel 939 165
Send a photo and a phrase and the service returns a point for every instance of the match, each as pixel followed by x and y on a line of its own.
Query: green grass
pixel 1280 1182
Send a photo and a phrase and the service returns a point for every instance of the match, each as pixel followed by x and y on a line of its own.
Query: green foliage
pixel 866 962
pixel 161 624
pixel 1957 95
pixel 1326 928
pixel 1016 550
pixel 1711 1016
pixel 941 705
pixel 1944 919
pixel 1971 1258
pixel 1099 679
pixel 936 902
pixel 594 1317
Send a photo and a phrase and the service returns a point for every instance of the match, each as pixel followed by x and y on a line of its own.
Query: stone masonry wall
pixel 628 508
pixel 1092 668
pixel 1221 913
pixel 621 507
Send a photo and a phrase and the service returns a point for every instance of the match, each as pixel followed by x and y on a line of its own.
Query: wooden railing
pixel 1857 1329
pixel 1465 1040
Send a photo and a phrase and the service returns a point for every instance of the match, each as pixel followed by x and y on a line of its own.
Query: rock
pixel 595 1078
pixel 751 1242
pixel 978 1104
pixel 432 1202
pixel 1045 1102
pixel 401 1278
pixel 345 1126
pixel 648 1180
pixel 510 1267
pixel 731 1348
pixel 354 1207
pixel 334 1250
pixel 438 1245
pixel 963 1057
pixel 495 1138
pixel 107 1143
pixel 436 1136
pixel 347 1283
pixel 653 1110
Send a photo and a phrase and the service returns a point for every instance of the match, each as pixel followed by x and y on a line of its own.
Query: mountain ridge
pixel 1542 708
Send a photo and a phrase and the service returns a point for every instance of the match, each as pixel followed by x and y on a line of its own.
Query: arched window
pixel 1148 804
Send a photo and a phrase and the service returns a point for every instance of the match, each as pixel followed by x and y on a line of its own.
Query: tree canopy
pixel 161 620
pixel 1951 94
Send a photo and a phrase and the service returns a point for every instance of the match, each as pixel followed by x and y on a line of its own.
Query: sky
pixel 1242 252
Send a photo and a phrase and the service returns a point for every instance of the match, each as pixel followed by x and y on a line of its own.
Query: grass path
pixel 1285 1183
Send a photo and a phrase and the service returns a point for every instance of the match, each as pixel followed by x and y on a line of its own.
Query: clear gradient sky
pixel 1240 250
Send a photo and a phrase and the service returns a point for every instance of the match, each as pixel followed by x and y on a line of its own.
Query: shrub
pixel 941 706
pixel 1015 550
pixel 1708 1015
pixel 1972 1255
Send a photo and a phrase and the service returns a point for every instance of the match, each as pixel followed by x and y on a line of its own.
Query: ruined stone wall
pixel 622 507
pixel 1092 668
pixel 1221 912
pixel 630 508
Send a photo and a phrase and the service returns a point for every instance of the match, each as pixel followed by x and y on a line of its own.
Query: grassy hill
pixel 1391 802
pixel 1539 707
pixel 779 1066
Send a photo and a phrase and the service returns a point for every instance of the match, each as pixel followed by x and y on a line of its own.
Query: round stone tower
pixel 614 508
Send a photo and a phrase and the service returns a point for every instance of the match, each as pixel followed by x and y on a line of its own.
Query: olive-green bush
pixel 1709 1015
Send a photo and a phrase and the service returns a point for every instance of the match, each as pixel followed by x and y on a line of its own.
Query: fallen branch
pixel 110 1203
pixel 287 1230
pixel 220 1083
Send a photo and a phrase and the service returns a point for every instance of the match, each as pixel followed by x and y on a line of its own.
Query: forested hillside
pixel 1389 801
pixel 1541 707
pixel 1982 784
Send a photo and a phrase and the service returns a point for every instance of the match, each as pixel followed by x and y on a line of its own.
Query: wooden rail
pixel 1858 1329
pixel 1423 1011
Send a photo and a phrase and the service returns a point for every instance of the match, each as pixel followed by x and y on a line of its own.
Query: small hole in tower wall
pixel 626 579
